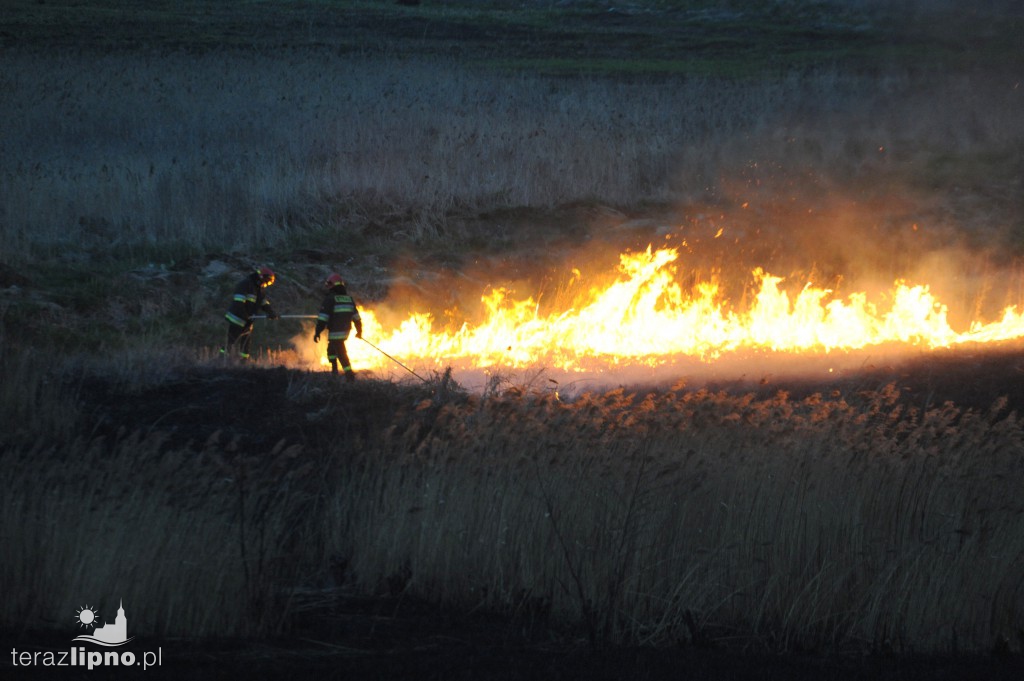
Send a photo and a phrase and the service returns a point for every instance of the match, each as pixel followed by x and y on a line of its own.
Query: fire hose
pixel 313 316
pixel 286 316
pixel 392 359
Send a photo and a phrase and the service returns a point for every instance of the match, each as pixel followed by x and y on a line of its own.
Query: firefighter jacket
pixel 338 313
pixel 249 298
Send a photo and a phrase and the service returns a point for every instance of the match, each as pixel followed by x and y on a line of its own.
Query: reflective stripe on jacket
pixel 247 301
pixel 337 313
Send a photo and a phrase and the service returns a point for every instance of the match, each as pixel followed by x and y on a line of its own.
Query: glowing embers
pixel 643 317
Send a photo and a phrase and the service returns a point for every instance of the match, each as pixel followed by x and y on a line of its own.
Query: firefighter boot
pixel 230 356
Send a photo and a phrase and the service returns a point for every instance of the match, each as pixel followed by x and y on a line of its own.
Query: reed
pixel 689 517
pixel 194 536
pixel 169 153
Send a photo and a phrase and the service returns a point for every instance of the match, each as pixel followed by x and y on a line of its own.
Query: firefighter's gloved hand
pixel 359 335
pixel 316 337
pixel 272 315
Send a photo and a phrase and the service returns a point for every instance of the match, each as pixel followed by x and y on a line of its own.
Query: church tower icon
pixel 111 634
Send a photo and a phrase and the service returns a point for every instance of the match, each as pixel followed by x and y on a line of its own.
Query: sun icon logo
pixel 87 617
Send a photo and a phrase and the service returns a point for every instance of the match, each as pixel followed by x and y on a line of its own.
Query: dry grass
pixel 193 537
pixel 129 152
pixel 677 517
pixel 683 517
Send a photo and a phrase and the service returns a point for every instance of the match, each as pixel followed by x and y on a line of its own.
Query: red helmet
pixel 266 275
pixel 334 280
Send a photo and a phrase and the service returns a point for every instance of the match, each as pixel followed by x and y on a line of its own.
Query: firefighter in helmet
pixel 338 314
pixel 249 298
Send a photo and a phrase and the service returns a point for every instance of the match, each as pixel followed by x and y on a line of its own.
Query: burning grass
pixel 642 318
pixel 853 516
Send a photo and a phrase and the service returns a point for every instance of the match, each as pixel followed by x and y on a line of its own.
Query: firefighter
pixel 249 298
pixel 338 314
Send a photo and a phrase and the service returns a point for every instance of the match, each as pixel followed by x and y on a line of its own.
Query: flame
pixel 644 318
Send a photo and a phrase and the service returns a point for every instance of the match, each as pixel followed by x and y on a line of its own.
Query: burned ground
pixel 261 406
pixel 256 408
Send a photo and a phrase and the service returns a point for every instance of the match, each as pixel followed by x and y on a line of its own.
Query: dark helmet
pixel 334 280
pixel 265 275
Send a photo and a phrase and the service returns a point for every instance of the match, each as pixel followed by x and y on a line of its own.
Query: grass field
pixel 232 503
pixel 152 153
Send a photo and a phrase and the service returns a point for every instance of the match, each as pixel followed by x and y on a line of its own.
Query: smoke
pixel 916 181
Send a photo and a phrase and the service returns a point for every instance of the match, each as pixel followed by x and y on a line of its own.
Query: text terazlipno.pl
pixel 90 659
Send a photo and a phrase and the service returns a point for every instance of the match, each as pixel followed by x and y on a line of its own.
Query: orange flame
pixel 645 319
